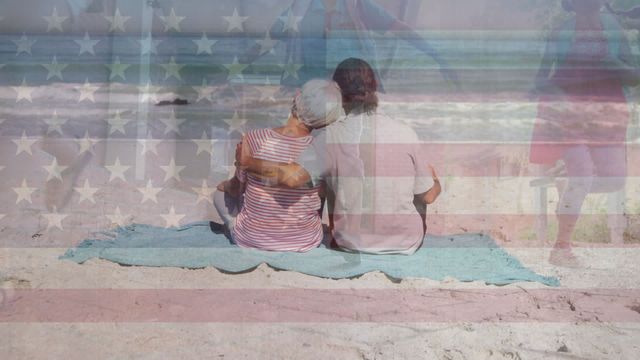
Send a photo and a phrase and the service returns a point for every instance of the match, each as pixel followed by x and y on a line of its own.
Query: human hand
pixel 448 74
pixel 243 157
pixel 432 194
pixel 223 186
pixel 451 76
pixel 434 176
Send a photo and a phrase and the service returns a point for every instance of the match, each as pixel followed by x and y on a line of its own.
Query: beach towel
pixel 468 257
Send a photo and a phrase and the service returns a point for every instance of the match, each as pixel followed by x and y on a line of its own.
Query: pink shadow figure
pixel 581 128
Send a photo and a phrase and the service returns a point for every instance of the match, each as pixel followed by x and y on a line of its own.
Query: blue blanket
pixel 469 257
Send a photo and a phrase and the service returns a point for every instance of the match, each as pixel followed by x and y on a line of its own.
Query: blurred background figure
pixel 581 128
pixel 633 13
pixel 319 34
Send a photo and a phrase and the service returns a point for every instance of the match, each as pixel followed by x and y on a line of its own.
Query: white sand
pixel 40 268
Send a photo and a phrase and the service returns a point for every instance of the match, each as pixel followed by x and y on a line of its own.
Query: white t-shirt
pixel 371 163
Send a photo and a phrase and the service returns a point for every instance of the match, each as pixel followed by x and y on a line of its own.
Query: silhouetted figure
pixel 633 13
pixel 319 34
pixel 583 115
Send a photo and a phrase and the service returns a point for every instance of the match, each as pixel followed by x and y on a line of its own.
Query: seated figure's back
pixel 277 218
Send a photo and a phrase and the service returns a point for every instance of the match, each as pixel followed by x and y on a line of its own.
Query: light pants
pixel 228 208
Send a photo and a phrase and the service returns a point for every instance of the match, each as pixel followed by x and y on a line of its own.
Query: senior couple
pixel 335 145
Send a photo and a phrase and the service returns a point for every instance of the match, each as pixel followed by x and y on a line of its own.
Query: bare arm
pixel 430 196
pixel 233 187
pixel 287 175
pixel 406 33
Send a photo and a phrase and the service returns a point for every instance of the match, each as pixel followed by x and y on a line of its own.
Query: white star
pixel 205 92
pixel 24 45
pixel 149 145
pixel 266 92
pixel 55 123
pixel 172 171
pixel 24 144
pixel 54 219
pixel 267 44
pixel 235 69
pixel 117 69
pixel 148 93
pixel 172 21
pixel 290 22
pixel 172 219
pixel 204 45
pixel 204 192
pixel 54 21
pixel 204 144
pixel 24 192
pixel 117 170
pixel 172 69
pixel 87 91
pixel 86 192
pixel 291 70
pixel 86 44
pixel 235 21
pixel 117 123
pixel 149 193
pixel 236 123
pixel 117 218
pixel 86 143
pixel 54 170
pixel 24 91
pixel 149 45
pixel 55 69
pixel 117 21
pixel 172 124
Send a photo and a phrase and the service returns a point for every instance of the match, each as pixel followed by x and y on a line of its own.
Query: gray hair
pixel 319 103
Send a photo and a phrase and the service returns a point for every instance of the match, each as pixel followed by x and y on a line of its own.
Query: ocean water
pixel 462 54
pixel 496 74
pixel 491 110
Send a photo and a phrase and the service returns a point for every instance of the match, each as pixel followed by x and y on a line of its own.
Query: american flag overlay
pixel 118 112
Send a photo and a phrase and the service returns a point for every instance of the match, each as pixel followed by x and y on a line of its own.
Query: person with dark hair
pixel 378 182
pixel 358 85
pixel 583 115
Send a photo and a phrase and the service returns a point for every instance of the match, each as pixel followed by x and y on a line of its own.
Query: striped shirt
pixel 275 218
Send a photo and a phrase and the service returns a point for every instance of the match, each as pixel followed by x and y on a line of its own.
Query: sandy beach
pixel 459 320
pixel 58 309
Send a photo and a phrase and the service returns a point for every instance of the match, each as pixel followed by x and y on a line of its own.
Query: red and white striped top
pixel 275 218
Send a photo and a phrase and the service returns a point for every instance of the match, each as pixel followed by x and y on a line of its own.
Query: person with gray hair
pixel 259 213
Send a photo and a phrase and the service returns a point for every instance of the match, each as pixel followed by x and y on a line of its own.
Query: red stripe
pixel 311 305
pixel 274 218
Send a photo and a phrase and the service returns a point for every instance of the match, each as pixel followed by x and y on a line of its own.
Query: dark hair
pixel 358 85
